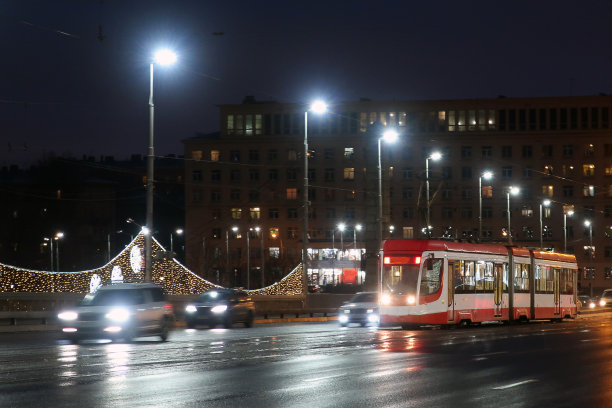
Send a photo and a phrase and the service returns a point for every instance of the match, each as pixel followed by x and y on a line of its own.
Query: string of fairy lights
pixel 127 267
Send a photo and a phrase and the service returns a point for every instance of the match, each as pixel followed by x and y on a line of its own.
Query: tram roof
pixel 438 245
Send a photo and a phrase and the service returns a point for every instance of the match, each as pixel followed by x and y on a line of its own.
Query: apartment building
pixel 244 185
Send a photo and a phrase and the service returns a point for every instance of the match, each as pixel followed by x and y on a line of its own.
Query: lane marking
pixel 505 387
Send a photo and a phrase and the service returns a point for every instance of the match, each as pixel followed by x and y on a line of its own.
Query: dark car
pixel 361 309
pixel 585 302
pixel 119 311
pixel 220 306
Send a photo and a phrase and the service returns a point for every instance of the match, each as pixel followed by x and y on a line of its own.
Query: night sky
pixel 74 75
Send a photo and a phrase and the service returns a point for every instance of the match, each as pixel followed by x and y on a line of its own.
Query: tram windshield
pixel 400 278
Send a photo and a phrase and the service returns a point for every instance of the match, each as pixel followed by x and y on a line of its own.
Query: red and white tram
pixel 448 283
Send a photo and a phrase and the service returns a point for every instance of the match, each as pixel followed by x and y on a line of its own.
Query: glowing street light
pixel 514 191
pixel 316 107
pixel 487 175
pixel 544 203
pixel 341 228
pixel 161 57
pixel 435 156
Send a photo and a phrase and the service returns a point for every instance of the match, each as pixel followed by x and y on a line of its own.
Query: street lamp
pixel 178 231
pixel 357 228
pixel 389 136
pixel 341 228
pixel 487 175
pixel 514 191
pixel 50 241
pixel 316 107
pixel 260 232
pixel 161 57
pixel 569 212
pixel 227 257
pixel 435 156
pixel 544 203
pixel 57 237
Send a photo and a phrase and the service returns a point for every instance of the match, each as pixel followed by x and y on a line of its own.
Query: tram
pixel 450 283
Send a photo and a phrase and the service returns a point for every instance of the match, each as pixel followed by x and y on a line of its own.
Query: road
pixel 318 365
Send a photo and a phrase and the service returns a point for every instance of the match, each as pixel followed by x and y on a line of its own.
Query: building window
pixel 291 155
pixel 196 176
pixel 253 196
pixel 235 176
pixel 588 191
pixel 407 173
pixel 197 196
pixel 235 195
pixel 548 170
pixel 236 213
pixel 330 195
pixel 292 232
pixel 487 212
pixel 291 174
pixel 330 213
pixel 466 213
pixel 292 213
pixel 548 191
pixel 507 172
pixel 349 173
pixel 487 191
pixel 349 152
pixel 215 196
pixel 292 194
pixel 588 170
pixel 273 175
pixel 466 194
pixel 408 212
pixel 527 172
pixel 272 154
pixel 466 173
pixel 255 213
pixel 447 213
pixel 215 175
pixel 568 151
pixel 568 191
pixel 527 151
pixel 466 152
pixel 589 150
pixel 196 155
pixel 254 155
pixel 329 174
pixel 328 154
pixel 216 233
pixel 487 152
pixel 235 156
pixel 214 155
pixel 273 213
pixel 254 175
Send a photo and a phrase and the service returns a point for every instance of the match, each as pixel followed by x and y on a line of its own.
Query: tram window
pixel 484 277
pixel 544 279
pixel 467 269
pixel 431 278
pixel 566 284
pixel 457 277
pixel 521 277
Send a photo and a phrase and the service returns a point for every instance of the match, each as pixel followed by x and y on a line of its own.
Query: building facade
pixel 249 177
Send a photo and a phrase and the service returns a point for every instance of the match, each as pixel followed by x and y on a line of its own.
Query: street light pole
pixel 162 57
pixel 57 237
pixel 433 156
pixel 357 228
pixel 487 176
pixel 248 233
pixel 565 214
pixel 389 136
pixel 511 190
pixel 544 203
pixel 260 232
pixel 317 107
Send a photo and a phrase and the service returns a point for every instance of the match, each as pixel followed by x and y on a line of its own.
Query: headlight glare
pixel 386 299
pixel 219 309
pixel 118 315
pixel 411 300
pixel 191 309
pixel 68 315
pixel 343 318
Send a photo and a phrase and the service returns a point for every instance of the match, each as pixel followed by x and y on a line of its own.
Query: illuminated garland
pixel 128 266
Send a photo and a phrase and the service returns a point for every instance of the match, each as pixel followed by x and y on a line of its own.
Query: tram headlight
pixel 411 300
pixel 386 299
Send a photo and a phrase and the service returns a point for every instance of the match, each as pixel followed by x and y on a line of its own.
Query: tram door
pixel 498 288
pixel 556 290
pixel 450 283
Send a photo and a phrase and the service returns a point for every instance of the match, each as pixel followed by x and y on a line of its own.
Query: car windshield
pixel 213 296
pixel 607 294
pixel 365 298
pixel 113 297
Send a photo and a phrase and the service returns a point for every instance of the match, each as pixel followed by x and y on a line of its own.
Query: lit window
pixel 236 213
pixel 292 194
pixel 548 190
pixel 348 152
pixel 588 170
pixel 349 173
pixel 255 213
pixel 274 233
pixel 230 124
pixel 214 155
pixel 196 155
pixel 588 191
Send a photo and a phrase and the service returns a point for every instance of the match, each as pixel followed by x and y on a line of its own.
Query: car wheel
pixel 227 323
pixel 343 324
pixel 191 324
pixel 164 329
pixel 249 320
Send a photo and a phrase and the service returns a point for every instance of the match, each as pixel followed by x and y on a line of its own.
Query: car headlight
pixel 592 305
pixel 602 302
pixel 343 318
pixel 370 311
pixel 373 318
pixel 70 315
pixel 191 309
pixel 219 309
pixel 347 311
pixel 118 315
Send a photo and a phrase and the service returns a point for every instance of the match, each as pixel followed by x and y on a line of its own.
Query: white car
pixel 119 311
pixel 361 309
